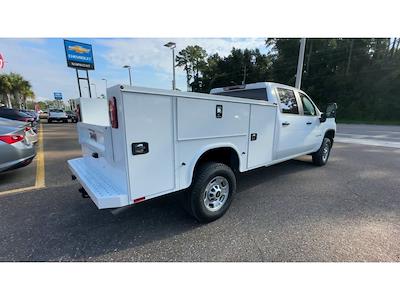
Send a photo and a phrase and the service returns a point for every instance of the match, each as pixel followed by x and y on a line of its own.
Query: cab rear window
pixel 257 94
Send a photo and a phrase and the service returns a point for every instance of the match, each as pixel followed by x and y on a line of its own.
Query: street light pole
pixel 300 63
pixel 129 70
pixel 172 46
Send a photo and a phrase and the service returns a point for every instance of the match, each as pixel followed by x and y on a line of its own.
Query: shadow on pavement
pixel 56 224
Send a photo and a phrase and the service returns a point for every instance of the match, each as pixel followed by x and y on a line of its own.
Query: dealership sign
pixel 2 62
pixel 57 95
pixel 79 55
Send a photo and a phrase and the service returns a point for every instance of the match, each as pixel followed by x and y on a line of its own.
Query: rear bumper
pixel 16 164
pixel 102 192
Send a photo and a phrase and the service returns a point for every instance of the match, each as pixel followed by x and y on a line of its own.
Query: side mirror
pixel 322 119
pixel 331 110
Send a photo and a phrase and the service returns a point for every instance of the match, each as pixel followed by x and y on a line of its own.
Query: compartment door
pixel 261 135
pixel 149 119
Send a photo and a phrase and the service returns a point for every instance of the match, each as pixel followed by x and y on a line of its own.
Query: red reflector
pixel 11 139
pixel 78 113
pixel 27 128
pixel 139 200
pixel 112 111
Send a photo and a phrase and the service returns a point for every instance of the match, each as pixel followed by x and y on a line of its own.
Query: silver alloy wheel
pixel 216 193
pixel 325 152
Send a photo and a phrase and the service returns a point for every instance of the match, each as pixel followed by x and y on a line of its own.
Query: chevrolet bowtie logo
pixel 78 49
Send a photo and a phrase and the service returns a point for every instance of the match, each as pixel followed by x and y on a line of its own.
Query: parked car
pixel 15 150
pixel 30 134
pixel 71 116
pixel 57 115
pixel 158 142
pixel 14 114
pixel 31 113
pixel 43 114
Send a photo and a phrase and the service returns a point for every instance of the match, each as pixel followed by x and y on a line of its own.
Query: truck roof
pixel 181 94
pixel 250 86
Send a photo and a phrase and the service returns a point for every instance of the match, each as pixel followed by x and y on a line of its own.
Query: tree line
pixel 15 90
pixel 362 75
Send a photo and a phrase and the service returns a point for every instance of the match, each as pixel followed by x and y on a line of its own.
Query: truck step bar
pixel 97 186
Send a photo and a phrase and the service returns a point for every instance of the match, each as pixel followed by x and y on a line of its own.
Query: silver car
pixel 30 134
pixel 15 150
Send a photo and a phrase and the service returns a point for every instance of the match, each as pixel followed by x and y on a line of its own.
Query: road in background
pixel 373 135
pixel 347 210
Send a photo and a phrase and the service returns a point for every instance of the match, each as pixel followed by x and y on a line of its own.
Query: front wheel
pixel 212 192
pixel 320 158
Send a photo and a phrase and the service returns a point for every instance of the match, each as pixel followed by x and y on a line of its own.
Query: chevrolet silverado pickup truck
pixel 149 142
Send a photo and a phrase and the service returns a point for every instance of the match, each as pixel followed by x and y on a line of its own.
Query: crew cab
pixel 153 142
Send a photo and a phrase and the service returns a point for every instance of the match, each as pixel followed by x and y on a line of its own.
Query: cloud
pixel 141 52
pixel 46 71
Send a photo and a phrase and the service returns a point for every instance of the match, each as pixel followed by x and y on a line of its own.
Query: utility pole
pixel 244 74
pixel 300 63
pixel 309 59
pixel 349 59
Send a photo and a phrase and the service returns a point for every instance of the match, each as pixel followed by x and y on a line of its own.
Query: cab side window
pixel 288 101
pixel 308 107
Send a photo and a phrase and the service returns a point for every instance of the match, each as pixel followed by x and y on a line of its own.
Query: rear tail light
pixel 112 110
pixel 27 128
pixel 11 139
pixel 78 113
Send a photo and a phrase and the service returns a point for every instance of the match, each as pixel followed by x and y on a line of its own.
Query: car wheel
pixel 320 158
pixel 212 192
pixel 49 120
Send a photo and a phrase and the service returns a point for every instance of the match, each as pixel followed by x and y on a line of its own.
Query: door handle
pixel 285 123
pixel 309 123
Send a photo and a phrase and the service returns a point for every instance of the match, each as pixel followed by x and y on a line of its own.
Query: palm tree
pixel 21 89
pixel 26 92
pixel 5 89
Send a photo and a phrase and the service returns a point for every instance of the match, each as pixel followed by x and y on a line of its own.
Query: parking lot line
pixel 40 173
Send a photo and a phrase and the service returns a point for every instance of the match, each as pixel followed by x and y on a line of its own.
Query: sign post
pixel 80 57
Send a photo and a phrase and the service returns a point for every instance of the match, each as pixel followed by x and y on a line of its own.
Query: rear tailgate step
pixel 98 186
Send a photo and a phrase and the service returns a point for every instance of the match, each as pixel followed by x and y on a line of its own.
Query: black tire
pixel 207 175
pixel 65 121
pixel 320 158
pixel 49 120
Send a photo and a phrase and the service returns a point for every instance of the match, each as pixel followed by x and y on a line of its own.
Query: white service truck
pixel 156 142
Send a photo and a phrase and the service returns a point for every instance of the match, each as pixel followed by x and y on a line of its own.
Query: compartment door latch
pixel 140 148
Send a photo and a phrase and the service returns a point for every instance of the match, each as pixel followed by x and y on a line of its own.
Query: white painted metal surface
pixel 179 128
pixel 93 111
pixel 98 185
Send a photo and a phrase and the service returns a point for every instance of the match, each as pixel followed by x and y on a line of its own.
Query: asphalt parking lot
pixel 348 210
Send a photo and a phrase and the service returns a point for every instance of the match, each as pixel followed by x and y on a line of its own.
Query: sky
pixel 43 62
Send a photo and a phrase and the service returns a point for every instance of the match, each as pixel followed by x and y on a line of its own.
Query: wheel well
pixel 225 155
pixel 330 134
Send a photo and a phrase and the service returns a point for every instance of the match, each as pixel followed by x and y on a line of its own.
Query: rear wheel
pixel 212 192
pixel 320 158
